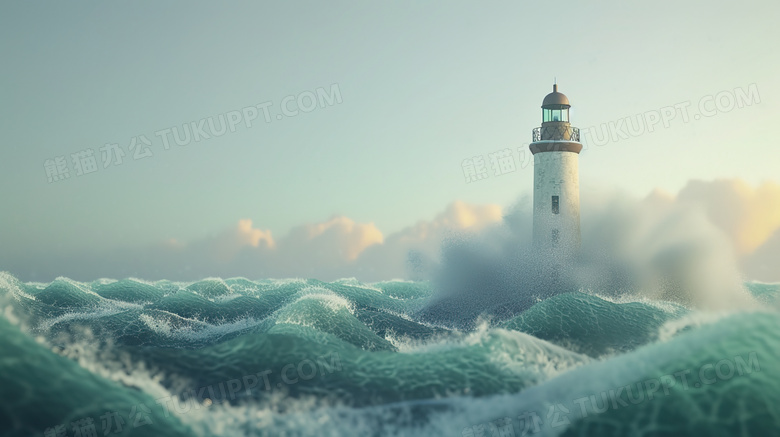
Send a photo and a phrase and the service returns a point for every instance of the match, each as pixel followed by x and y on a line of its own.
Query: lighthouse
pixel 556 147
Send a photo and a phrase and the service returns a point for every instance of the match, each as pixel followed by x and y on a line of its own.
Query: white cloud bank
pixel 747 217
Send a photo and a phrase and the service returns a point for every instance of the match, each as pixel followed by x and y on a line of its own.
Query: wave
pixel 306 357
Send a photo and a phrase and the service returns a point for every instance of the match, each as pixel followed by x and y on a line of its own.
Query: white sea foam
pixel 103 309
pixel 196 330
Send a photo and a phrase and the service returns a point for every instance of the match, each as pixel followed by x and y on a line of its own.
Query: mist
pixel 652 248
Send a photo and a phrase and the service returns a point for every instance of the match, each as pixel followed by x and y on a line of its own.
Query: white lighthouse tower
pixel 556 147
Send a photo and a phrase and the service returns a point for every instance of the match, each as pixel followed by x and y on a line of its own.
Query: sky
pixel 412 91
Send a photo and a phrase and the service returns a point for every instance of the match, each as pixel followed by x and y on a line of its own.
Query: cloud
pixel 339 247
pixel 414 250
pixel 253 237
pixel 334 248
pixel 746 217
pixel 462 216
pixel 339 237
pixel 226 245
pixel 749 215
pixel 700 219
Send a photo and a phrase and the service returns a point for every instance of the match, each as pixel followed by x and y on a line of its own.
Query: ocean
pixel 290 357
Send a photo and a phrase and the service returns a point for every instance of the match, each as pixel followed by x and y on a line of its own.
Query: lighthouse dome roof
pixel 555 99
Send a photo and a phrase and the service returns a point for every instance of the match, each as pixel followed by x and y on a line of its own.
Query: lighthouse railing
pixel 560 133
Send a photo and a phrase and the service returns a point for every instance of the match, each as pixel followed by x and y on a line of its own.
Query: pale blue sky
pixel 424 86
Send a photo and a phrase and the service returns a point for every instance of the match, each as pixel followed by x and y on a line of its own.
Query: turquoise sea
pixel 239 357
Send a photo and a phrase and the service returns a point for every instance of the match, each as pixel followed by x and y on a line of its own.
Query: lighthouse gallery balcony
pixel 556 133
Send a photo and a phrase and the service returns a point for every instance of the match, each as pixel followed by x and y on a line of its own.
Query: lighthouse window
pixel 556 208
pixel 555 236
pixel 555 114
